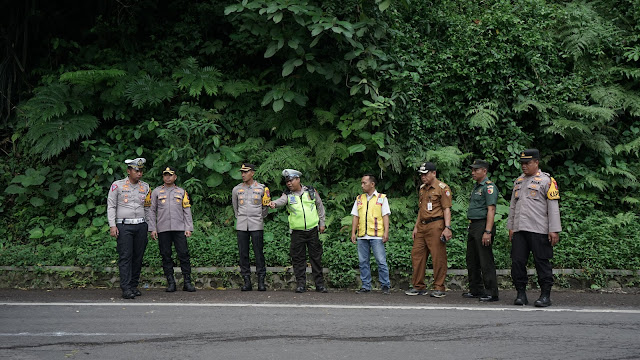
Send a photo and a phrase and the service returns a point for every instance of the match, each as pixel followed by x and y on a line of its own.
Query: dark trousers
pixel 243 249
pixel 179 240
pixel 131 244
pixel 480 263
pixel 524 242
pixel 301 241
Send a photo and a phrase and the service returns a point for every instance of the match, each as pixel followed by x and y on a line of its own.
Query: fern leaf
pixel 148 90
pixel 483 115
pixel 449 156
pixel 49 139
pixel 91 77
pixel 527 104
pixel 592 112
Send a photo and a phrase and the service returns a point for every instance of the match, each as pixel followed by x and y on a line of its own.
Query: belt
pixel 130 221
pixel 476 220
pixel 424 222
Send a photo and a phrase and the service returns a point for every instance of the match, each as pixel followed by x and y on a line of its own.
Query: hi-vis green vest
pixel 303 214
pixel 370 215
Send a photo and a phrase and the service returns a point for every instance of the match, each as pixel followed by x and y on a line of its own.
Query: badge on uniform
pixel 114 187
pixel 448 193
pixel 292 199
pixel 490 189
pixel 429 206
pixel 380 201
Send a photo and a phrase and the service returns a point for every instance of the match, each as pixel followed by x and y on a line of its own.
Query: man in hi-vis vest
pixel 370 227
pixel 306 218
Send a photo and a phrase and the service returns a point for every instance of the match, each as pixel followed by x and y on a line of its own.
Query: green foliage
pixel 335 90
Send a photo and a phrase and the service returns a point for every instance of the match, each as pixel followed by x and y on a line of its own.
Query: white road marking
pixel 328 306
pixel 63 333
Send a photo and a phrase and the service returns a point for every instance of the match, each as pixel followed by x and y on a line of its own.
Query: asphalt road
pixel 97 324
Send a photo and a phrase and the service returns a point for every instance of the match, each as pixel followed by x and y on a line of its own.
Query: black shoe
pixel 247 284
pixel 363 291
pixel 521 298
pixel 171 284
pixel 136 292
pixel 188 286
pixel 385 290
pixel 261 286
pixel 300 289
pixel 488 298
pixel 321 289
pixel 128 294
pixel 543 301
pixel 470 295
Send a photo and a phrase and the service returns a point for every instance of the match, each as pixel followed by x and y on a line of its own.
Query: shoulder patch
pixel 147 200
pixel 266 198
pixel 442 185
pixel 553 193
pixel 114 186
pixel 186 201
pixel 488 182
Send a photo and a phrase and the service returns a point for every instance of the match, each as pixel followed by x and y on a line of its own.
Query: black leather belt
pixel 424 222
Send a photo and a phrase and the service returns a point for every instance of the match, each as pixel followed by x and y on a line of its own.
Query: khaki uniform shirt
pixel 170 210
pixel 534 205
pixel 282 201
pixel 440 198
pixel 248 207
pixel 484 194
pixel 127 201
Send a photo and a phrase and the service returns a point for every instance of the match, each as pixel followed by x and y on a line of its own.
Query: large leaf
pixel 356 148
pixel 214 180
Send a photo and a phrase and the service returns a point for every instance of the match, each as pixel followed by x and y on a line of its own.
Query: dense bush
pixel 334 89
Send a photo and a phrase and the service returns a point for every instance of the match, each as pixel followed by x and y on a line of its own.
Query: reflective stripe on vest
pixel 303 214
pixel 370 215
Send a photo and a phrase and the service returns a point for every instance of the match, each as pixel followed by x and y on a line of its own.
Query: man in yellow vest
pixel 370 228
pixel 306 218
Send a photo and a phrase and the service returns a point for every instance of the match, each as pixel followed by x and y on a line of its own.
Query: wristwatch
pixel 448 227
pixel 488 232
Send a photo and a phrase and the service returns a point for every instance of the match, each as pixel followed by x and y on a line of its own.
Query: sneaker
pixel 385 290
pixel 363 291
pixel 438 294
pixel 413 292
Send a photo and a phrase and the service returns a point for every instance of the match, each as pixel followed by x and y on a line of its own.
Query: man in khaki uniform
pixel 127 210
pixel 250 205
pixel 431 231
pixel 534 224
pixel 170 222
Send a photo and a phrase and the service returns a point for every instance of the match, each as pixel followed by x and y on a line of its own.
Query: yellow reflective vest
pixel 370 215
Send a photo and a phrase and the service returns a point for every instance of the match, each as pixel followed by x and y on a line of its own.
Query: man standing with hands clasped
pixel 481 267
pixel 170 222
pixel 534 224
pixel 250 201
pixel 431 232
pixel 127 210
pixel 370 227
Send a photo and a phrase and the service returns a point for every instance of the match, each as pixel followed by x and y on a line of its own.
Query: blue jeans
pixel 364 248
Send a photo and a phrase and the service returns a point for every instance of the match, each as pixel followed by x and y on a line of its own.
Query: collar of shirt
pixel 375 193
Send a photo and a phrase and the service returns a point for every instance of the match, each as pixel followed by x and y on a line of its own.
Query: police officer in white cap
pixel 127 210
pixel 306 218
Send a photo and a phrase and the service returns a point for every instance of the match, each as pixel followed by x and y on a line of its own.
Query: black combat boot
pixel 521 298
pixel 545 297
pixel 261 286
pixel 247 283
pixel 171 284
pixel 187 285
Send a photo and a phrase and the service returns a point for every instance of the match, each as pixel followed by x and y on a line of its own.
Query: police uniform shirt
pixel 127 201
pixel 534 205
pixel 385 211
pixel 248 207
pixel 484 194
pixel 319 206
pixel 170 210
pixel 439 195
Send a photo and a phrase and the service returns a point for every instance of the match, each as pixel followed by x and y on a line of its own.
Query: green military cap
pixel 529 154
pixel 478 163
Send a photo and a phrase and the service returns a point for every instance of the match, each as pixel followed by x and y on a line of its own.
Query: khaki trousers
pixel 428 242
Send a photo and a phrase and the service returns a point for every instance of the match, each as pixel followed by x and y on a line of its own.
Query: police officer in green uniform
pixel 534 224
pixel 170 222
pixel 127 212
pixel 481 267
pixel 306 219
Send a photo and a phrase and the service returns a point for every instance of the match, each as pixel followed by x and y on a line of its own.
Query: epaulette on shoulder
pixel 442 185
